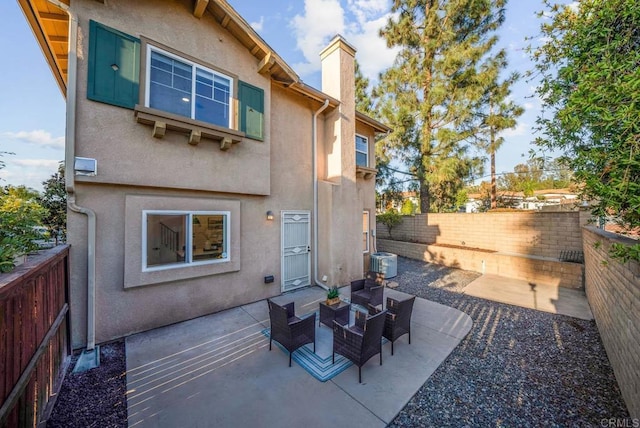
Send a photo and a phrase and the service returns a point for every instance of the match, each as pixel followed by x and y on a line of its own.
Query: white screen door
pixel 296 250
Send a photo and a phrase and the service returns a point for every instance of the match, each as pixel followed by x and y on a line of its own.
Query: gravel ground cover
pixel 517 367
pixel 97 397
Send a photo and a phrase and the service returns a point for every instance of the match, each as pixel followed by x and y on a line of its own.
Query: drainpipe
pixel 314 139
pixel 69 158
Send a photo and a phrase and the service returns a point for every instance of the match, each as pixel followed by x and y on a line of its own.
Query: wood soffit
pixel 50 26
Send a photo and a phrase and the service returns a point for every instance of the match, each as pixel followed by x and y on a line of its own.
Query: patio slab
pixel 543 297
pixel 217 371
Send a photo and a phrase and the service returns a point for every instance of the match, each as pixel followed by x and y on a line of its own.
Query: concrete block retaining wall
pixel 522 245
pixel 542 234
pixel 613 290
pixel 538 270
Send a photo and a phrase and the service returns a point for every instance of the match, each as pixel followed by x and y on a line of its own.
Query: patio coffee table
pixel 338 312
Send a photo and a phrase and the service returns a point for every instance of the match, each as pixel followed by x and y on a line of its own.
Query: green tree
pixel 429 95
pixel 54 201
pixel 390 218
pixel 445 192
pixel 497 113
pixel 524 178
pixel 364 103
pixel 387 188
pixel 20 213
pixel 408 207
pixel 590 86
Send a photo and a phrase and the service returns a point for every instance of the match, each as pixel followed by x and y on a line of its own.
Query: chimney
pixel 338 81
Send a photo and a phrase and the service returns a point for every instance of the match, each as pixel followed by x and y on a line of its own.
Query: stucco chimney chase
pixel 338 80
pixel 339 215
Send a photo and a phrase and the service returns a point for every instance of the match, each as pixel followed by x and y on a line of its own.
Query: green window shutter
pixel 251 110
pixel 114 66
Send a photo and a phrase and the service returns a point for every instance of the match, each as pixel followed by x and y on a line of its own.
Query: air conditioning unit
pixel 386 263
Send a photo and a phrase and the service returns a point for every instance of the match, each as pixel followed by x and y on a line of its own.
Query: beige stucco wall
pixel 137 171
pixel 108 131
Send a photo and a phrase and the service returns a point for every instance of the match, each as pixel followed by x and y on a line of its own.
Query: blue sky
pixel 32 109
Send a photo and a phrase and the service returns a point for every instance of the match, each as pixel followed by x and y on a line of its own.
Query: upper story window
pixel 362 151
pixel 179 86
pixel 175 83
pixel 178 238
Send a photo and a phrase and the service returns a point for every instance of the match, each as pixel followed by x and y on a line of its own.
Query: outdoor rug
pixel 318 364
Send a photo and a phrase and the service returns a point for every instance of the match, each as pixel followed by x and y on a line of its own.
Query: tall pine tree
pixel 496 113
pixel 430 94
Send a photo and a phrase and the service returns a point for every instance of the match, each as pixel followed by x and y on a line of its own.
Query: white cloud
pixel 38 137
pixel 36 163
pixel 258 26
pixel 323 19
pixel 367 9
pixel 28 172
pixel 574 6
pixel 372 52
pixel 520 129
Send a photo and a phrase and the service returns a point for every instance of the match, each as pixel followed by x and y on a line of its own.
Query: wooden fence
pixel 34 336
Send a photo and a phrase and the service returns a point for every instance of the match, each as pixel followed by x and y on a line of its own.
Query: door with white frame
pixel 296 249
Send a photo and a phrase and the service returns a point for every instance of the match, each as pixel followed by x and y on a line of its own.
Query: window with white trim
pixel 179 238
pixel 362 151
pixel 365 231
pixel 177 85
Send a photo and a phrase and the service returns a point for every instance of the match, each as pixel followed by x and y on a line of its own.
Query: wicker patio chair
pixel 368 290
pixel 398 319
pixel 289 330
pixel 359 342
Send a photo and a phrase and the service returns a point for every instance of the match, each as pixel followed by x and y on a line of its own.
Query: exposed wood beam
pixel 62 57
pixel 225 144
pixel 255 50
pixel 159 129
pixel 266 63
pixel 58 39
pixel 225 21
pixel 194 137
pixel 46 16
pixel 199 8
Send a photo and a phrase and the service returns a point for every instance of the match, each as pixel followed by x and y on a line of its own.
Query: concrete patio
pixel 542 297
pixel 217 371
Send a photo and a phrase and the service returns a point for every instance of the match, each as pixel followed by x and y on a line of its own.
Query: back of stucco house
pixel 184 129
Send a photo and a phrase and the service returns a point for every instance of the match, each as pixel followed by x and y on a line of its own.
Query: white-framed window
pixel 365 231
pixel 173 239
pixel 362 151
pixel 180 86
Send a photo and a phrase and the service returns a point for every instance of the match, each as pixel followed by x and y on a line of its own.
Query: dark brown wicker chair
pixel 368 290
pixel 289 330
pixel 398 319
pixel 361 341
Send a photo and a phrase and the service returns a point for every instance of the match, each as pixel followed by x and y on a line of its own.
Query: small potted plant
pixel 333 295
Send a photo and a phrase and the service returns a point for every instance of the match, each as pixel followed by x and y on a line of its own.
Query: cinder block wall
pixel 542 234
pixel 529 268
pixel 613 290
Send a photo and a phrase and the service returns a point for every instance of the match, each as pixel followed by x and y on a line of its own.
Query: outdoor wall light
pixel 269 215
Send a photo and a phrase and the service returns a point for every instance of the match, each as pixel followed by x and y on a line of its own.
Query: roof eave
pixel 378 126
